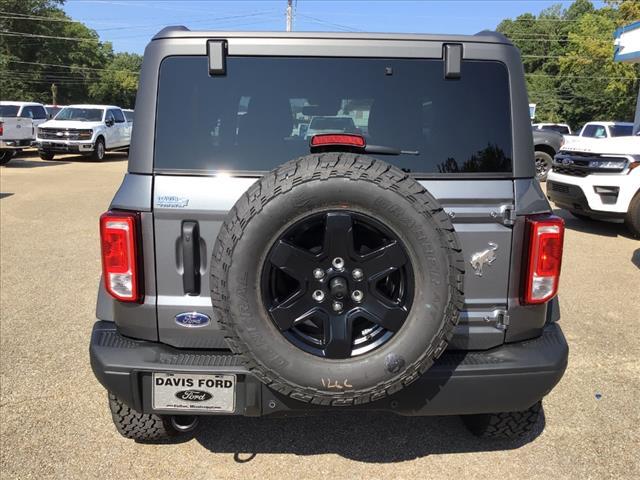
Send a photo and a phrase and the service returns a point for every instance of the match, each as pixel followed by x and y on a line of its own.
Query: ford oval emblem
pixel 194 395
pixel 192 319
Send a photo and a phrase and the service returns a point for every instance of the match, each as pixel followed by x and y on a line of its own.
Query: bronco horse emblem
pixel 479 259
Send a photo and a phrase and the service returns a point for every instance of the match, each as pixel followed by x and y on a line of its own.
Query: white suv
pixel 599 178
pixel 86 129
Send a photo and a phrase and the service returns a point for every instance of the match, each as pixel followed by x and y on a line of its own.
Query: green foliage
pixel 118 82
pixel 568 60
pixel 82 68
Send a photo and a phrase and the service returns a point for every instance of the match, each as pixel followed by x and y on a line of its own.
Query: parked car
pixel 599 179
pixel 546 144
pixel 18 122
pixel 562 128
pixel 605 130
pixel 248 271
pixel 90 130
pixel 331 124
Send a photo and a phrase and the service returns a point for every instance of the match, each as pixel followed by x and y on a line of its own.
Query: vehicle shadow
pixel 5 195
pixel 635 258
pixel 362 436
pixel 20 163
pixel 108 158
pixel 595 227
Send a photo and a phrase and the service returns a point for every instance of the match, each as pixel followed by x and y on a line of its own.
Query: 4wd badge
pixel 485 257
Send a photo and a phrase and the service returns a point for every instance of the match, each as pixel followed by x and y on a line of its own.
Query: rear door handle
pixel 191 257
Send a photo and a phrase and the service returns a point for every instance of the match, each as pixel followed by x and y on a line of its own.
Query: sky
pixel 130 24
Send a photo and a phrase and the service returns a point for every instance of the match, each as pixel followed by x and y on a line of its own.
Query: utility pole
pixel 289 15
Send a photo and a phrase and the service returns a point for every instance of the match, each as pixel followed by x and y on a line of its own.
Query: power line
pixel 70 66
pixel 633 79
pixel 33 35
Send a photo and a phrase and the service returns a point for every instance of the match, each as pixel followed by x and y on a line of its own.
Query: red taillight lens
pixel 544 258
pixel 330 139
pixel 1 128
pixel 118 241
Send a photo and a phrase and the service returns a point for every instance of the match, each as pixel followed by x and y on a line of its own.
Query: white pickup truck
pixel 18 123
pixel 90 130
pixel 599 179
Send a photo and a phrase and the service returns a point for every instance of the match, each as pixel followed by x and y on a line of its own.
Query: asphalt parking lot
pixel 54 418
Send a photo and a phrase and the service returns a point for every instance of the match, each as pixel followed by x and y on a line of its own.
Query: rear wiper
pixel 382 150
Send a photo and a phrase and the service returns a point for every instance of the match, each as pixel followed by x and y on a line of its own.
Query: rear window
pixel 262 112
pixel 9 110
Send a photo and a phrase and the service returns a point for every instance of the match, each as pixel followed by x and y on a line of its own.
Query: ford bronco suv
pixel 401 267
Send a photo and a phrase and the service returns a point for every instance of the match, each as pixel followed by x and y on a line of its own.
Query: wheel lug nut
pixel 357 274
pixel 337 307
pixel 318 296
pixel 338 263
pixel 357 296
pixel 318 274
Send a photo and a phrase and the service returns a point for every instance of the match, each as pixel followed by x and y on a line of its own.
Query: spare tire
pixel 292 255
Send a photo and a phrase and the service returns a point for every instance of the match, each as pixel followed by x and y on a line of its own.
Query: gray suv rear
pixel 409 266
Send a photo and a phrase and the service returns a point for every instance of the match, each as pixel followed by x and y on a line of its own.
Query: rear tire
pixel 98 150
pixel 510 425
pixel 632 219
pixel 543 165
pixel 47 155
pixel 144 427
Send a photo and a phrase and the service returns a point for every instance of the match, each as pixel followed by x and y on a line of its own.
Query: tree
pixel 118 83
pixel 46 47
pixel 568 60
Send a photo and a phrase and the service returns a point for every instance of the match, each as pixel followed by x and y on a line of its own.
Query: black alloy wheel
pixel 338 284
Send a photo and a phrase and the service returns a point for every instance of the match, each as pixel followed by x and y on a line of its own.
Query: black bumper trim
pixel 572 198
pixel 59 147
pixel 511 377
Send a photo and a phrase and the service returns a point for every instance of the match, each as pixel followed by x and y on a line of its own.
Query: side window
pixel 118 116
pixel 27 112
pixel 110 116
pixel 601 132
pixel 590 130
pixel 39 113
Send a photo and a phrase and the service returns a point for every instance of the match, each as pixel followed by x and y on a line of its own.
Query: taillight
pixel 1 128
pixel 120 256
pixel 545 235
pixel 342 139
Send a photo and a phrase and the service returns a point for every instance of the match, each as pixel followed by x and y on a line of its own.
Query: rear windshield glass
pixel 9 110
pixel 621 130
pixel 81 114
pixel 264 110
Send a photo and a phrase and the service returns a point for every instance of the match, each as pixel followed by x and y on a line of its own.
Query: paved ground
pixel 53 414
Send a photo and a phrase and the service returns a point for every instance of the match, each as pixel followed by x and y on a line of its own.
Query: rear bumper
pixel 511 377
pixel 15 144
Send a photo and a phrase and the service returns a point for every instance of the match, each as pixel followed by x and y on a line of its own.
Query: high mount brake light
pixel 338 139
pixel 545 236
pixel 120 257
